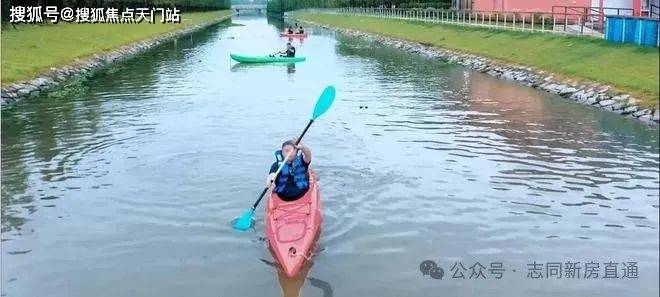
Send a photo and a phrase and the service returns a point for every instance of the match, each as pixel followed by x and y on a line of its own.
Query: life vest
pixel 291 52
pixel 296 169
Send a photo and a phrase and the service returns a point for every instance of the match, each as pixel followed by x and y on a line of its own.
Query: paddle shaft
pixel 282 165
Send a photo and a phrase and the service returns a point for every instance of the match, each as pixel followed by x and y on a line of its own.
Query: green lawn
pixel 31 49
pixel 627 68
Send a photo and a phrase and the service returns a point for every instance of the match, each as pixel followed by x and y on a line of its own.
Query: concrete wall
pixel 629 4
pixel 613 3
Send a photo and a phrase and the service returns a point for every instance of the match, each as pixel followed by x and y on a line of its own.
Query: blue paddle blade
pixel 244 222
pixel 324 102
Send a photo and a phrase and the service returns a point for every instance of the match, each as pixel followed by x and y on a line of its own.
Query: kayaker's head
pixel 288 147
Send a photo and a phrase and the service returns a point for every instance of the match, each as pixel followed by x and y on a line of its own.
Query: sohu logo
pixel 430 268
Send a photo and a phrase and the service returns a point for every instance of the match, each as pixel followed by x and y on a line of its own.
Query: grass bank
pixel 627 68
pixel 31 49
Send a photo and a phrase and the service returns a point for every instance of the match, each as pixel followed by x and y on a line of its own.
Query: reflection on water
pixel 292 286
pixel 244 67
pixel 124 184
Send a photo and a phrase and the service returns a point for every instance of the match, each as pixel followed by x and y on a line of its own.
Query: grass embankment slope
pixel 627 68
pixel 32 49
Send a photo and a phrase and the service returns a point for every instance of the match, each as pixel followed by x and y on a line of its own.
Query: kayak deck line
pixel 297 35
pixel 293 227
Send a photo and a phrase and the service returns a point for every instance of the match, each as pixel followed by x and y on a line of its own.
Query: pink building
pixel 525 5
pixel 634 7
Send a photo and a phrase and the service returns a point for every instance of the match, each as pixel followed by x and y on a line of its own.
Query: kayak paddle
pixel 322 105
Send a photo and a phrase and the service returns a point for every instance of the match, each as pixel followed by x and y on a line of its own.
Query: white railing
pixel 552 22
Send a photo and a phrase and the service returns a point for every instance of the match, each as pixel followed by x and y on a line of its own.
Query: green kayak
pixel 265 59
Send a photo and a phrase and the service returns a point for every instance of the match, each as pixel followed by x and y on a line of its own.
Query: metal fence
pixel 654 11
pixel 570 20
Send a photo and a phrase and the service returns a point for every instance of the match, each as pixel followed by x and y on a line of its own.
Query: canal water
pixel 125 184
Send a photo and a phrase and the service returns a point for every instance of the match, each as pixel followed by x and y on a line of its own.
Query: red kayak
pixel 295 35
pixel 293 227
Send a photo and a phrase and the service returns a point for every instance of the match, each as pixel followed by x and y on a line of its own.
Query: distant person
pixel 301 30
pixel 290 51
pixel 290 30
